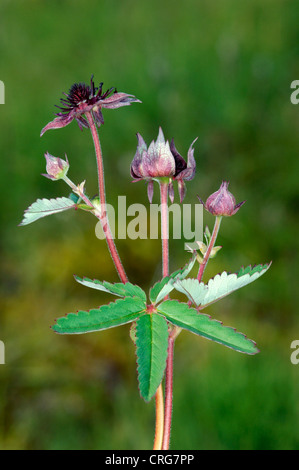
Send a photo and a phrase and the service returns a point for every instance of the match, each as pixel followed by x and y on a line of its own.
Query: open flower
pixel 222 202
pixel 82 99
pixel 162 160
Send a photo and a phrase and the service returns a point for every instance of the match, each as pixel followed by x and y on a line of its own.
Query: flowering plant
pixel 156 318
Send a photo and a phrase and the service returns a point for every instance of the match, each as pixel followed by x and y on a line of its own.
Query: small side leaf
pixel 107 316
pixel 119 289
pixel 181 315
pixel 220 286
pixel 151 348
pixel 162 288
pixel 43 207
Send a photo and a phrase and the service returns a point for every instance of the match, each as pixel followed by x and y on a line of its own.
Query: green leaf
pixel 165 286
pixel 107 316
pixel 220 286
pixel 43 207
pixel 151 347
pixel 181 315
pixel 120 289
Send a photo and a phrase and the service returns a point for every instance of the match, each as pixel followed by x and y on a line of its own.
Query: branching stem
pixel 104 216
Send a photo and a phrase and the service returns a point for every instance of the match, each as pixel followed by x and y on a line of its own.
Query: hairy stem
pixel 104 216
pixel 164 228
pixel 169 362
pixel 207 254
pixel 159 418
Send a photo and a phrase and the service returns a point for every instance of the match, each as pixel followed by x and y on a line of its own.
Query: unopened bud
pixel 222 202
pixel 56 167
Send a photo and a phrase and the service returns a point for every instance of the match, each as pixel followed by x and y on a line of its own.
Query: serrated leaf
pixel 43 207
pixel 162 288
pixel 107 316
pixel 220 286
pixel 151 348
pixel 188 318
pixel 120 289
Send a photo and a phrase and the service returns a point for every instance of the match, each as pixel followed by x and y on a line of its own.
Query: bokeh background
pixel 218 70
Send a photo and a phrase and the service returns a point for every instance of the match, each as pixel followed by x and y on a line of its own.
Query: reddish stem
pixel 205 260
pixel 104 217
pixel 169 362
pixel 168 394
pixel 164 228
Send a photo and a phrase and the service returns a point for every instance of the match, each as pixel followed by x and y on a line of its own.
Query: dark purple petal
pixel 237 207
pixel 171 192
pixel 180 163
pixel 82 122
pixel 189 172
pixel 97 113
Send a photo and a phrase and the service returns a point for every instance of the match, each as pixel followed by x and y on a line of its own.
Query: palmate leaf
pixel 151 347
pixel 43 207
pixel 119 289
pixel 188 318
pixel 107 316
pixel 218 287
pixel 165 286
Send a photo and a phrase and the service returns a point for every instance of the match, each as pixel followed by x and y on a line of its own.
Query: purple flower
pixel 82 99
pixel 162 160
pixel 56 167
pixel 222 202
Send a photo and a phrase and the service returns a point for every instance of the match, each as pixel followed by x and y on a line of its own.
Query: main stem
pixel 119 266
pixel 169 362
pixel 104 216
pixel 160 423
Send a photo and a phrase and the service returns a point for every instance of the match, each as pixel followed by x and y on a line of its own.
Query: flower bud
pixel 56 167
pixel 222 202
pixel 161 160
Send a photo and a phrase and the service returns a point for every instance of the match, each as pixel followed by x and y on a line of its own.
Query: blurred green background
pixel 218 70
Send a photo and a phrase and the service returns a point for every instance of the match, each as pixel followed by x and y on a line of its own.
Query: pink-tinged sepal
pixel 182 189
pixel 117 100
pixel 57 123
pixel 136 165
pixel 150 190
pixel 171 192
